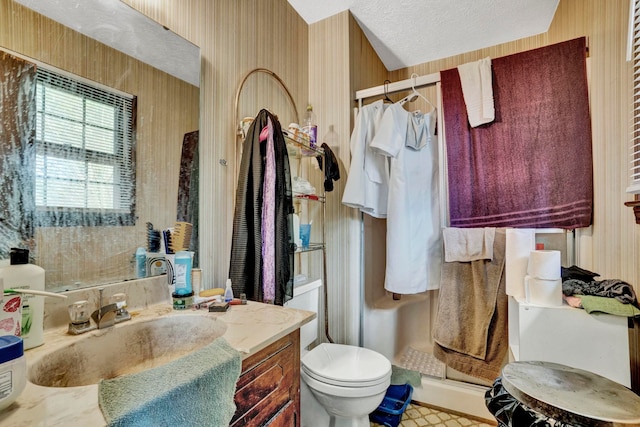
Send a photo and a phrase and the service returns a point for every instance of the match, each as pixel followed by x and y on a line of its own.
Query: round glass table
pixel 537 393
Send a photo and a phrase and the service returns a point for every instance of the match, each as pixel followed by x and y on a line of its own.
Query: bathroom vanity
pixel 267 391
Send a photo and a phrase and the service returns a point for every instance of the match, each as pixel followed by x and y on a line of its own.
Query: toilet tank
pixel 306 296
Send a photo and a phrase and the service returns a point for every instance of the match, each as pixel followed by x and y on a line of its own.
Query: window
pixel 85 172
pixel 633 54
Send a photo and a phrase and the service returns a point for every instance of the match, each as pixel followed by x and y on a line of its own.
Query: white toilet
pixel 341 384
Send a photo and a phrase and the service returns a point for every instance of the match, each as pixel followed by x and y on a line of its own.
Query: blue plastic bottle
pixel 183 262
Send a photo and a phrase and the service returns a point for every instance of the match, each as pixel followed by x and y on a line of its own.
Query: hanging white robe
pixel 414 243
pixel 368 180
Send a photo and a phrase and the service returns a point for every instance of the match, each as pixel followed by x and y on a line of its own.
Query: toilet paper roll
pixel 545 293
pixel 544 265
pixel 520 242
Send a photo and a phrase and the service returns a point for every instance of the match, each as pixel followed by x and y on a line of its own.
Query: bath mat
pixel 401 376
pixel 423 362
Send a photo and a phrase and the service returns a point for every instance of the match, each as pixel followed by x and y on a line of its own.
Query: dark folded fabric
pixel 613 288
pixel 575 272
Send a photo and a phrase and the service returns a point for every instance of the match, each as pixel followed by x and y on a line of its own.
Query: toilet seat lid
pixel 346 365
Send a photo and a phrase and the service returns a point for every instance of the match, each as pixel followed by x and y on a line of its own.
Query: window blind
pixel 85 139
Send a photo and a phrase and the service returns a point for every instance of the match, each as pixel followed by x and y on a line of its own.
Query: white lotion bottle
pixel 22 275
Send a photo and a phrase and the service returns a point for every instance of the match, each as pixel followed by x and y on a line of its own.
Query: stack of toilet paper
pixel 543 282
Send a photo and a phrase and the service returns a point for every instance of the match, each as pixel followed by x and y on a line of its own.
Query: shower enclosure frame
pixel 442 392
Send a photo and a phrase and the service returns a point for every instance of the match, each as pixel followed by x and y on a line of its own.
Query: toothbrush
pixel 34 292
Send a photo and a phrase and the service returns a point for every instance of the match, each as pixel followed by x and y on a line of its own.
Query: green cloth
pixel 401 376
pixel 194 390
pixel 607 305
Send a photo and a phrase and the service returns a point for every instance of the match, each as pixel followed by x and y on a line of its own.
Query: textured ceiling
pixel 403 32
pixel 410 32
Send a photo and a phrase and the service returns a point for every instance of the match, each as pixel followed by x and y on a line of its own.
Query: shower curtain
pixel 17 153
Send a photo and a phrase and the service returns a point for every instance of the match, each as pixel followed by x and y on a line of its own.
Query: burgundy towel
pixel 532 166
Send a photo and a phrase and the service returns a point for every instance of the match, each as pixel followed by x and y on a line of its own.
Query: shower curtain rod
pixel 419 81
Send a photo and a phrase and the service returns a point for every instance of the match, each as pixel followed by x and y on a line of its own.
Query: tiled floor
pixel 421 416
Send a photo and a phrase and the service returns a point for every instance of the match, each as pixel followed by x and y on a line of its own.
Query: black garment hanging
pixel 245 269
pixel 331 169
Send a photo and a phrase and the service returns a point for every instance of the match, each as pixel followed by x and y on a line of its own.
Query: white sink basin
pixel 127 348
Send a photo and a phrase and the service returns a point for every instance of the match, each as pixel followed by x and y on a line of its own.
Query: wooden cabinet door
pixel 268 390
pixel 287 417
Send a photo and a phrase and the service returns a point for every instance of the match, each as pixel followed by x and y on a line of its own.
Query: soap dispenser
pixel 228 292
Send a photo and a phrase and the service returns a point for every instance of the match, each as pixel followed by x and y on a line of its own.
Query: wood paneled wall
pixel 329 84
pixel 167 109
pixel 235 37
pixel 612 245
pixel 325 63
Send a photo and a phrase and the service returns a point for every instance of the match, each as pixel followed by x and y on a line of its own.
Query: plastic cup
pixel 305 233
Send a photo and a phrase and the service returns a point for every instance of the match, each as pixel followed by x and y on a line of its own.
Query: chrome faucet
pixel 104 316
pixel 80 318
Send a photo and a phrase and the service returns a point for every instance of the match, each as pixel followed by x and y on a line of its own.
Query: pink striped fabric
pixel 268 220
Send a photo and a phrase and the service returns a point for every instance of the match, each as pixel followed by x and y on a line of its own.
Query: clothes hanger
pixel 414 93
pixel 386 96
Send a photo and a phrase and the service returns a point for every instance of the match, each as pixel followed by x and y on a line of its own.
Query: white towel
pixel 468 244
pixel 477 90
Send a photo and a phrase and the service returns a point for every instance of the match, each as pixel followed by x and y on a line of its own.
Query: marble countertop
pixel 249 328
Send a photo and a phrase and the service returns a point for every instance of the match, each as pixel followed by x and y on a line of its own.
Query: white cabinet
pixel 570 336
